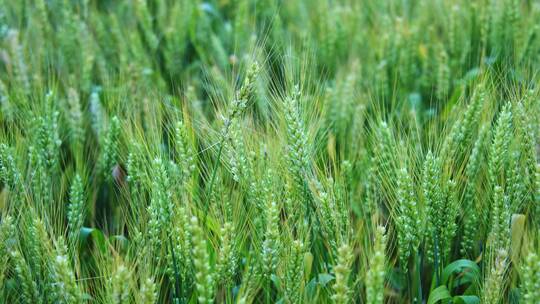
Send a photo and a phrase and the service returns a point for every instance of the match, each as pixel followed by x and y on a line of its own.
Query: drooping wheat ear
pixel 443 74
pixel 442 209
pixel 453 31
pixel 494 282
pixel 499 148
pixel 228 255
pixel 9 173
pixel 527 141
pixel 347 169
pixel 144 18
pixel 6 104
pixel 41 183
pixel 35 240
pixel 434 198
pixel 249 82
pixel 530 279
pixel 377 269
pixel 20 70
pixel 64 285
pixel 87 56
pixel 473 217
pixel 204 280
pixel 7 233
pixel 259 189
pixel 485 23
pixel 408 220
pixel 29 290
pixel 335 227
pixel 271 247
pixel 472 115
pixel 265 191
pixel 294 273
pixel 341 271
pixel 181 246
pixel 47 137
pixel 371 185
pixel 236 150
pixel 515 187
pixel 296 150
pixel 511 25
pixel 147 292
pixel 463 129
pixel 96 111
pixel 120 285
pixel 342 216
pixel 75 210
pixel 499 235
pixel 452 209
pixel 136 174
pixel 239 103
pixel 536 192
pixel 176 176
pixel 109 153
pixel 41 11
pixel 75 119
pixel 236 107
pixel 186 155
pixel 329 229
pixel 384 155
pixel 161 206
pixel 68 34
pixel 340 102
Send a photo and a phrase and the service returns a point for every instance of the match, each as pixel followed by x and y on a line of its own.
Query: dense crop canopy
pixel 267 151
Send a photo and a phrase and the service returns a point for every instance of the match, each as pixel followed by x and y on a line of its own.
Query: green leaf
pixel 308 263
pixel 458 267
pixel 464 279
pixel 96 235
pixel 276 280
pixel 324 278
pixel 122 241
pixel 397 279
pixel 439 294
pixel 466 300
pixel 321 280
pixel 517 232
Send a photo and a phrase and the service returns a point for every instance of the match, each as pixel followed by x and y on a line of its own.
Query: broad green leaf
pixel 276 280
pixel 96 235
pixel 439 294
pixel 466 300
pixel 458 267
pixel 308 263
pixel 517 232
pixel 321 280
pixel 324 278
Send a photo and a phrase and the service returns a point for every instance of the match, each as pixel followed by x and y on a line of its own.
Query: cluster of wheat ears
pixel 266 151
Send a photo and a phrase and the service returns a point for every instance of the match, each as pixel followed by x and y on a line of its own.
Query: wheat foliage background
pixel 243 151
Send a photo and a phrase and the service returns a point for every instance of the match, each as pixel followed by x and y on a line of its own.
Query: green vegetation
pixel 243 151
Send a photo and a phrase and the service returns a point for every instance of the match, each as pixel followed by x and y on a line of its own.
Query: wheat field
pixel 268 151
